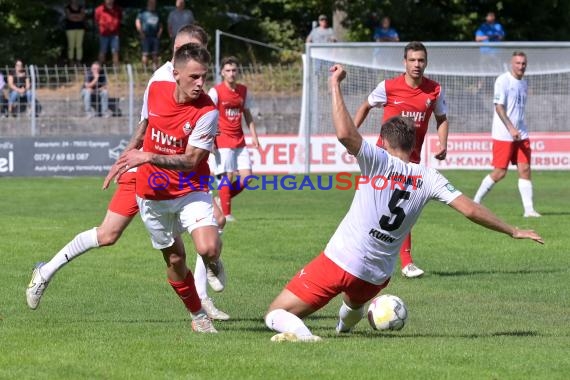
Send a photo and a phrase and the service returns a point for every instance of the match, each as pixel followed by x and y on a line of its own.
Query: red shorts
pixel 124 201
pixel 515 152
pixel 321 280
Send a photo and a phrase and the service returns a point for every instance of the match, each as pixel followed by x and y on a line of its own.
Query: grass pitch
pixel 489 307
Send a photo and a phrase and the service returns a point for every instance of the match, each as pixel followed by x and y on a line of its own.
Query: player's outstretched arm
pixel 484 217
pixel 346 131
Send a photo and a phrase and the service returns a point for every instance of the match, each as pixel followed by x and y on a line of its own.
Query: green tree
pixel 35 33
pixel 31 33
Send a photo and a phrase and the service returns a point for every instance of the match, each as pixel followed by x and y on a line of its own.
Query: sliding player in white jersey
pixel 359 258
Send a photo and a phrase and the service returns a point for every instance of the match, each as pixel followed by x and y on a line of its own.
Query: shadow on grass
pixel 398 335
pixel 555 213
pixel 498 271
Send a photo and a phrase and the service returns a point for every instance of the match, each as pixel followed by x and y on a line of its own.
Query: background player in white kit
pixel 359 258
pixel 510 136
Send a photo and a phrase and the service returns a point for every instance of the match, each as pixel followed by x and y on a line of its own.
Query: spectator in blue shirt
pixel 490 30
pixel 384 33
pixel 150 29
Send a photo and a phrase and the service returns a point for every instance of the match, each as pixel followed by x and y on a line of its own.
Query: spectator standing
pixel 74 30
pixel 322 33
pixel 95 84
pixel 384 32
pixel 108 18
pixel 179 17
pixel 19 86
pixel 150 29
pixel 490 30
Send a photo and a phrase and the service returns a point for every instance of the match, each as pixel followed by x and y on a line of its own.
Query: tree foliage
pixel 35 32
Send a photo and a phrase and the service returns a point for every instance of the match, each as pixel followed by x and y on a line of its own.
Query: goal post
pixel 466 71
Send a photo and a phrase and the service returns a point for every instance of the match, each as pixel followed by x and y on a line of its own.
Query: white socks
pixel 200 278
pixel 349 317
pixel 80 244
pixel 525 188
pixel 486 186
pixel 282 321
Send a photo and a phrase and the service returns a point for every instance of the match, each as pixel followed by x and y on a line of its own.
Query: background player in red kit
pixel 411 95
pixel 232 155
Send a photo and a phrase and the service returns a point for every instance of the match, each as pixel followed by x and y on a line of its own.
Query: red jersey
pixel 230 103
pixel 171 127
pixel 108 20
pixel 399 99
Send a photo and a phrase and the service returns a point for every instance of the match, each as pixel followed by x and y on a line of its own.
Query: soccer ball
pixel 387 312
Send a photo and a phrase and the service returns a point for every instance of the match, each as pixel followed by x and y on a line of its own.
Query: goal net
pixel 466 71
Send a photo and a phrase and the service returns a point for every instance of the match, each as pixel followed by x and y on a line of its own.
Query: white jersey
pixel 511 93
pixel 367 242
pixel 163 73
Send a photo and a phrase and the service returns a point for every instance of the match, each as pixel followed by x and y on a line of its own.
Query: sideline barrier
pixel 279 154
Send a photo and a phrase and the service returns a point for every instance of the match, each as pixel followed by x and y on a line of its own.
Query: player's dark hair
pixel 414 46
pixel 231 60
pixel 400 133
pixel 194 31
pixel 192 52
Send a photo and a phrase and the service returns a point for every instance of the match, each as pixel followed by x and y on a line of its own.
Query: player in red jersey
pixel 231 154
pixel 416 96
pixel 171 193
pixel 121 210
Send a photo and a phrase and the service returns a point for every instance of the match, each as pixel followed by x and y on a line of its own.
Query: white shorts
pixel 230 160
pixel 167 219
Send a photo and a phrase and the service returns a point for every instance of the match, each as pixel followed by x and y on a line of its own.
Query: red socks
pixel 236 188
pixel 406 251
pixel 226 193
pixel 186 290
pixel 225 199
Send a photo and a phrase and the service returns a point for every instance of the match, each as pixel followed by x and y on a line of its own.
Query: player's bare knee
pixel 498 174
pixel 106 237
pixel 209 251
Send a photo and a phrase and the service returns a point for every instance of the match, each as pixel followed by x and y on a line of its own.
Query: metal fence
pixel 275 92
